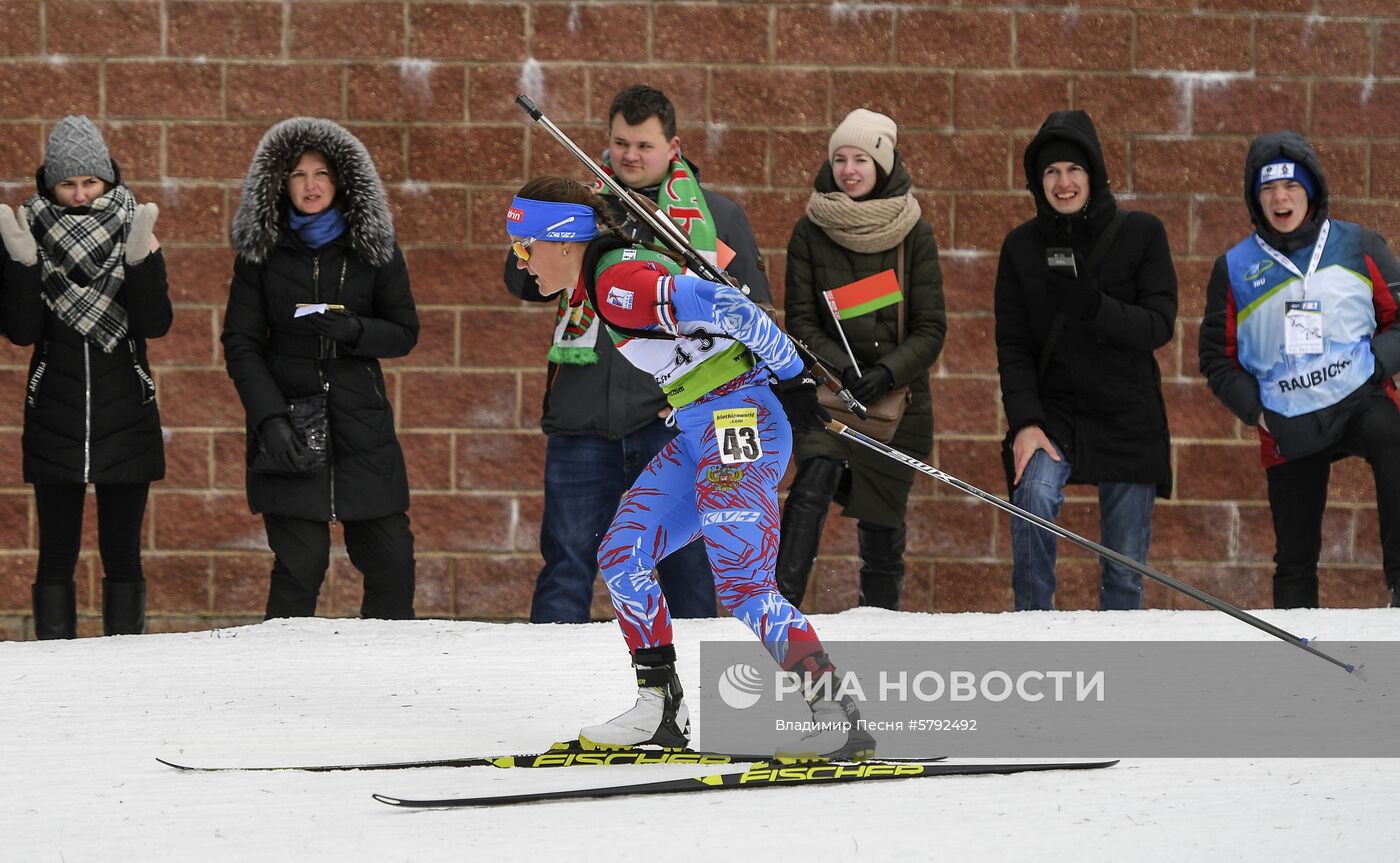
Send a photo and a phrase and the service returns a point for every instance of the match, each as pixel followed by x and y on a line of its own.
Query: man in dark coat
pixel 1079 381
pixel 313 227
pixel 1299 339
pixel 602 414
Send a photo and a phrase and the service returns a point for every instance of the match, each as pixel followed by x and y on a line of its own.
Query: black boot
pixel 1295 587
pixel 1395 595
pixel 55 610
pixel 881 565
pixel 804 516
pixel 837 732
pixel 123 607
pixel 659 717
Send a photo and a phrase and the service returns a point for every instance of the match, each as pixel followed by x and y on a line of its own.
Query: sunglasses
pixel 521 248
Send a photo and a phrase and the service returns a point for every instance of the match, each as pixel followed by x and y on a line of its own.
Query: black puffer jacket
pixel 89 416
pixel 273 357
pixel 1101 396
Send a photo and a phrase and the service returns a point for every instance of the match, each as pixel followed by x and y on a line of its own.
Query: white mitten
pixel 14 230
pixel 143 227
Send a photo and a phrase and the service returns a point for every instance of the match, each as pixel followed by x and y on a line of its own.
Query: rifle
pixel 645 211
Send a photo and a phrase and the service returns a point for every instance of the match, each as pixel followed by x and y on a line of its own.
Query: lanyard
pixel 1289 265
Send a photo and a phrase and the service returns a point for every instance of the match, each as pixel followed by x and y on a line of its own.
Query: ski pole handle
pixel 529 106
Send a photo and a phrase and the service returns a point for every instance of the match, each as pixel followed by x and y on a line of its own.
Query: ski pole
pixel 1101 550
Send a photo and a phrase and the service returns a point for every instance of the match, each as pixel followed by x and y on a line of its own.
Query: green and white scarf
pixel 681 199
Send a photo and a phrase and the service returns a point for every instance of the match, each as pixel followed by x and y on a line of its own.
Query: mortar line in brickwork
pixel 1013 38
pixel 772 34
pixel 286 30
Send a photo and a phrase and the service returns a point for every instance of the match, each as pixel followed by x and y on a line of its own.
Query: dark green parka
pixel 815 262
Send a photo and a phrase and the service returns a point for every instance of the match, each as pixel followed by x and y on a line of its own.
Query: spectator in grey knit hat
pixel 76 149
pixel 86 285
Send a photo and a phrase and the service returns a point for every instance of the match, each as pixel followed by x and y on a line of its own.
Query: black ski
pixel 761 775
pixel 566 754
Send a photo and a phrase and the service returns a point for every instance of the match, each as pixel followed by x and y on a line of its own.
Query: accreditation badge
pixel 1302 327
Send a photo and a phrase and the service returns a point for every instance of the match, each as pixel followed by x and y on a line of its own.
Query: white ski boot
pixel 659 718
pixel 836 732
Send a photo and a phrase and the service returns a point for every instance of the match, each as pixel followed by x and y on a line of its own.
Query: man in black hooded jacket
pixel 1299 339
pixel 1079 381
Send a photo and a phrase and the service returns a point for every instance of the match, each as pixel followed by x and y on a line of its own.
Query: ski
pixel 565 754
pixel 761 775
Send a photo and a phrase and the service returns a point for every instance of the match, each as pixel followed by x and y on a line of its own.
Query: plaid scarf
pixel 680 198
pixel 90 242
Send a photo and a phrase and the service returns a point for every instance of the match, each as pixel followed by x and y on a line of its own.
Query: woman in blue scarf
pixel 319 294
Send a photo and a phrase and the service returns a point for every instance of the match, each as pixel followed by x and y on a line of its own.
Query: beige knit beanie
pixel 874 133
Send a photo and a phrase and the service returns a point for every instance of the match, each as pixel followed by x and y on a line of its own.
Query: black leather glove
pixel 849 377
pixel 337 326
pixel 876 381
pixel 1075 296
pixel 285 449
pixel 799 397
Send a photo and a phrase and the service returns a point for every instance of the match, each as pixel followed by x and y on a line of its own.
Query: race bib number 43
pixel 736 430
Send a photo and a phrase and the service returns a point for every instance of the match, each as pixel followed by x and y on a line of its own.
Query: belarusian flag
pixel 864 296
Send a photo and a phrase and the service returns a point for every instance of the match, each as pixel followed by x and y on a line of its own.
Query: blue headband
pixel 551 220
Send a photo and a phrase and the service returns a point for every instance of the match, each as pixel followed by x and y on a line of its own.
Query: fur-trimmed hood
pixel 262 209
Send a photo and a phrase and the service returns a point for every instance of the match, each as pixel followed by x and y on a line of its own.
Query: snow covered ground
pixel 81 724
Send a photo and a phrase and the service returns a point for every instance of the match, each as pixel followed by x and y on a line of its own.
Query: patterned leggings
pixel 688 491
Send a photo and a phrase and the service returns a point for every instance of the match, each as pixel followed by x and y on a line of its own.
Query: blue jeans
pixel 585 478
pixel 1125 525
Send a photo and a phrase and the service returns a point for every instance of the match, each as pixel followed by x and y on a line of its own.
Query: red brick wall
pixel 1178 87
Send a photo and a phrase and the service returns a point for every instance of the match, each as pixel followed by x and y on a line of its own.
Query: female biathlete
pixel 714 353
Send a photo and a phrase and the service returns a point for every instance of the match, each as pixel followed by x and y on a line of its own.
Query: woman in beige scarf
pixel 860 216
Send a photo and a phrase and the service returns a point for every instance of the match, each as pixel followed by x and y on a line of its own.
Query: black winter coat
pixel 1100 399
pixel 273 357
pixel 815 263
pixel 89 416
